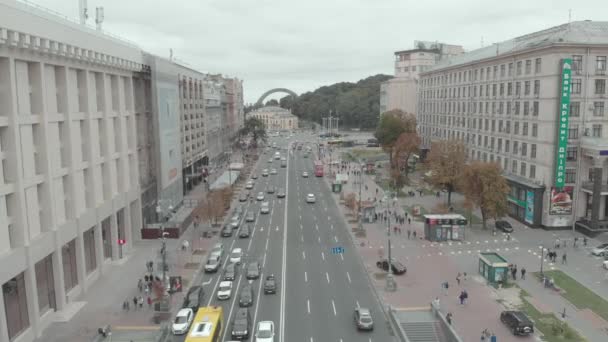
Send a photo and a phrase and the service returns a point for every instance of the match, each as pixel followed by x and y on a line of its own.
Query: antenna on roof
pixel 83 11
pixel 569 15
pixel 99 17
pixel 481 41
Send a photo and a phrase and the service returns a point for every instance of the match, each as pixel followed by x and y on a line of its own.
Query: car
pixel 234 222
pixel 273 171
pixel 250 217
pixel 260 196
pixel 182 321
pixel 194 298
pixel 226 231
pixel 277 156
pixel 601 250
pixel 245 231
pixel 253 270
pixel 265 208
pixel 225 290
pixel 249 185
pixel 305 174
pixel 397 267
pixel 270 160
pixel 254 176
pixel 281 193
pixel 310 198
pixel 244 196
pixel 363 319
pixel 270 284
pixel 236 255
pixel 283 164
pixel 605 264
pixel 218 249
pixel 517 322
pixel 230 272
pixel 270 189
pixel 504 226
pixel 283 159
pixel 213 263
pixel 246 296
pixel 265 173
pixel 241 324
pixel 264 332
pixel 238 211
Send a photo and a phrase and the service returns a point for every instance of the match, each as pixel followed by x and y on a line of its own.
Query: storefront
pixel 525 201
pixel 444 227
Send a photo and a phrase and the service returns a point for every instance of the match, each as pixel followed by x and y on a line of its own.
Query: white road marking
pixel 319 238
pixel 323 255
pixel 302 238
pixel 300 226
pixel 335 238
pixel 342 256
pixel 300 217
pixel 316 226
pixel 308 307
pixel 348 276
pixel 249 245
pixel 333 305
pixel 305 277
pixel 358 304
pixel 266 248
pixel 331 227
pixel 263 262
pixel 303 255
pixel 277 228
pixel 327 277
pixel 208 282
pixel 328 218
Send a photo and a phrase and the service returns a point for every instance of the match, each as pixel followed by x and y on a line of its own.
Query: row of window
pixel 595 131
pixel 495 89
pixel 523 169
pixel 506 70
pixel 501 107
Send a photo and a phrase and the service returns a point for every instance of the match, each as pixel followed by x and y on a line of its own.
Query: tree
pixel 255 128
pixel 485 187
pixel 351 202
pixel 272 102
pixel 407 144
pixel 392 124
pixel 446 162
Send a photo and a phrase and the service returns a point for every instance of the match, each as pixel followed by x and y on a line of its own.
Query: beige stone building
pixel 276 118
pixel 504 102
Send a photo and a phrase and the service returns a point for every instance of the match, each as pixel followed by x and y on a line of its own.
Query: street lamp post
pixel 391 285
pixel 360 178
pixel 163 238
pixel 542 258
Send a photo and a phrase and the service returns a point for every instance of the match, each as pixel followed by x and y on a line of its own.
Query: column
pixel 114 237
pixel 60 297
pixel 80 262
pixel 32 298
pixel 99 248
pixel 126 248
pixel 597 191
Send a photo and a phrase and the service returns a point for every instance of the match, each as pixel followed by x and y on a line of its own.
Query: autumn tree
pixel 392 124
pixel 406 145
pixel 446 162
pixel 485 188
pixel 351 202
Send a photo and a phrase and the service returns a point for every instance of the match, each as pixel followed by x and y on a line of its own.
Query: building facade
pixel 212 91
pixel 69 181
pixel 503 102
pixel 276 118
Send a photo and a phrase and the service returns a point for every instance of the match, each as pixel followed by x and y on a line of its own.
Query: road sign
pixel 337 250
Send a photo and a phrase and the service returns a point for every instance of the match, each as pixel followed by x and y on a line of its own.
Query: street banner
pixel 562 131
pixel 530 207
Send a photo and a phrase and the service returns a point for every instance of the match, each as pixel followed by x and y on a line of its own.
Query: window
pixel 532 171
pixel 576 86
pixel 499 145
pixel 481 74
pixel 494 89
pixel 570 175
pixel 524 149
pixel 501 107
pixel 517 108
pixel 45 284
pixel 536 87
pixel 508 108
pixel 517 88
pixel 487 73
pixel 537 65
pixel 508 127
pixel 507 147
pixel 598 108
pixel 600 64
pixel 532 150
pixel 510 72
pixel 502 70
pixel 514 167
pixel 535 108
pixel 495 73
pixel 493 126
pixel 571 153
pixel 573 132
pixel 506 163
pixel 502 89
pixel 15 305
pixel 522 169
pixel 534 130
pixel 526 108
pixel 600 86
pixel 577 63
pixel 515 147
pixel 527 88
pixel 597 131
pixel 519 64
pixel 575 109
pixel 524 130
pixel 528 66
pixel 509 89
pixel 516 128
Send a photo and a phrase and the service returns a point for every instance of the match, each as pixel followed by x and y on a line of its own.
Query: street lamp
pixel 163 238
pixel 360 180
pixel 391 285
pixel 542 258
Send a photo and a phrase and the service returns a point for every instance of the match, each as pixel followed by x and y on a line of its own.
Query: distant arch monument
pixel 275 90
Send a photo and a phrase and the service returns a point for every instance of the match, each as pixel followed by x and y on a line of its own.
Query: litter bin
pixel 336 187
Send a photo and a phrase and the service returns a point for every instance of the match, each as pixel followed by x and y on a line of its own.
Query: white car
pixel 236 256
pixel 310 198
pixel 265 332
pixel 273 171
pixel 265 173
pixel 182 321
pixel 218 249
pixel 305 174
pixel 605 264
pixel 225 290
pixel 234 223
pixel 601 250
pixel 270 160
pixel 265 208
pixel 249 185
pixel 260 196
pixel 283 159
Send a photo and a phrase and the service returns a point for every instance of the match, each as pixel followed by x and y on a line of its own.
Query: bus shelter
pixel 493 267
pixel 444 227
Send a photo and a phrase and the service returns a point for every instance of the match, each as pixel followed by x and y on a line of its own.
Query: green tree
pixel 392 124
pixel 272 102
pixel 485 188
pixel 255 128
pixel 446 162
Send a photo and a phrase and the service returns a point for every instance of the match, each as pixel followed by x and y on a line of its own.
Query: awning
pixel 226 179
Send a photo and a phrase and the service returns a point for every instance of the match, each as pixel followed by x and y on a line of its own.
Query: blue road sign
pixel 337 250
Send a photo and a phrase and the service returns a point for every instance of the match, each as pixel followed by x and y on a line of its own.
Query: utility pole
pixel 360 211
pixel 390 281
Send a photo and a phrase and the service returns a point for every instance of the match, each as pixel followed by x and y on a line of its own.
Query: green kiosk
pixel 493 267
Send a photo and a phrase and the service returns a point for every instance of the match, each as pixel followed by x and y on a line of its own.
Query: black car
pixel 518 322
pixel 246 296
pixel 226 231
pixel 254 176
pixel 243 197
pixel 253 270
pixel 241 326
pixel 194 298
pixel 397 268
pixel 245 231
pixel 270 190
pixel 270 284
pixel 230 272
pixel 504 226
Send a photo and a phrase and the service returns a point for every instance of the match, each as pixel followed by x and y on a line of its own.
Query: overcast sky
pixel 302 45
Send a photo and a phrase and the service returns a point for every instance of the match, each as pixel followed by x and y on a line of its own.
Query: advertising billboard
pixel 561 201
pixel 529 207
pixel 562 131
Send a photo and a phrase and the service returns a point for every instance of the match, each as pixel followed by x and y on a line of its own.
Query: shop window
pixel 15 306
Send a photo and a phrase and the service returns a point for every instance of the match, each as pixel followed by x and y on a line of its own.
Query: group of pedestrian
pixel 411 233
pixel 552 255
pixel 138 302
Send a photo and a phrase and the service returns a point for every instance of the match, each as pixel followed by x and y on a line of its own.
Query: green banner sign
pixel 562 132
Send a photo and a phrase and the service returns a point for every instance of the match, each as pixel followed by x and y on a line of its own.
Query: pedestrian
pixel 448 318
pixel 514 272
pixel 140 300
pixel 414 234
pixel 406 214
pixel 140 285
pixel 585 241
pixel 458 278
pixel 147 289
pixel 461 297
pixel 446 287
pixel 523 273
pixel 466 296
pixel 575 241
pixel 146 278
pixel 149 302
pixel 436 303
pixel 564 261
pixel 134 303
pixel 395 229
pixel 409 232
pixel 409 221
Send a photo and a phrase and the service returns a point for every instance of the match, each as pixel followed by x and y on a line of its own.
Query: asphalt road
pixel 317 290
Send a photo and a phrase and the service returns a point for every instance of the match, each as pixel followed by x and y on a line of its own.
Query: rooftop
pixel 579 32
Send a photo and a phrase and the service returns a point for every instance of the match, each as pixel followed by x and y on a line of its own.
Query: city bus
pixel 318 168
pixel 207 325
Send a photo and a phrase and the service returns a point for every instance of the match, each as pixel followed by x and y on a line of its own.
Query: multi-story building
pixel 235 107
pixel 275 118
pixel 69 181
pixel 505 102
pixel 213 107
pixel 400 92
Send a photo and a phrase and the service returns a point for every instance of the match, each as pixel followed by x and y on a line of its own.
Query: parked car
pixel 194 298
pixel 236 256
pixel 254 176
pixel 270 284
pixel 397 267
pixel 504 226
pixel 260 196
pixel 249 185
pixel 601 250
pixel 182 321
pixel 517 322
pixel 226 231
pixel 250 217
pixel 244 197
pixel 363 319
pixel 218 249
pixel 265 332
pixel 235 221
